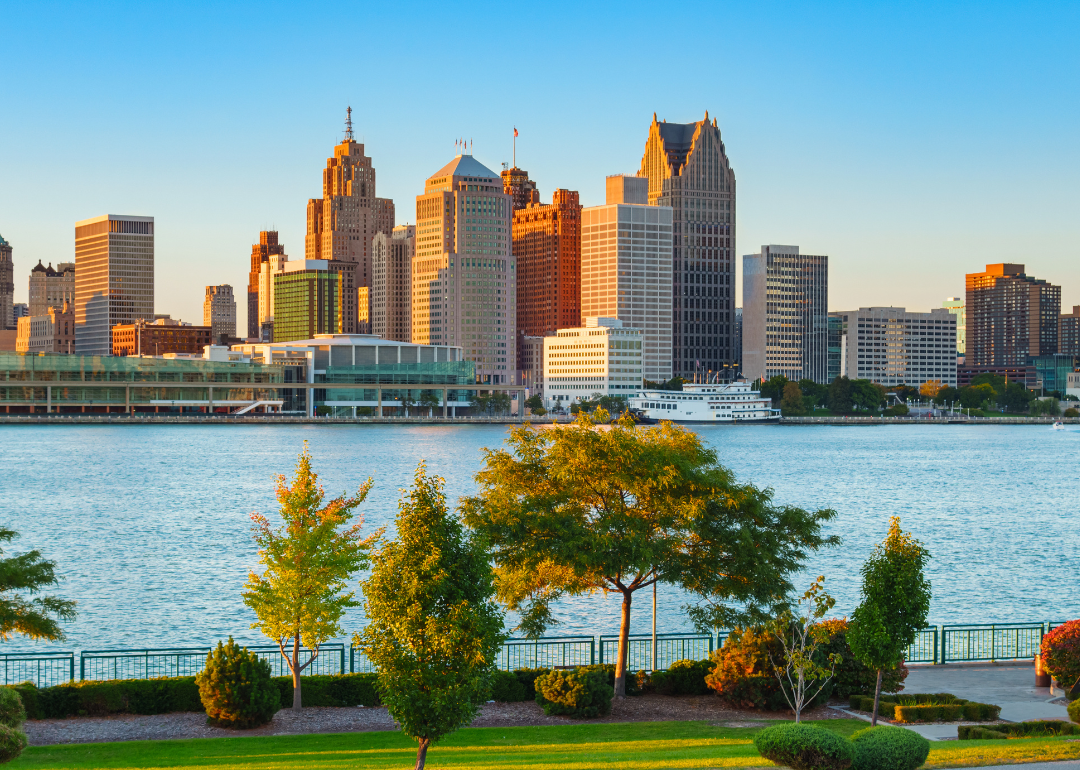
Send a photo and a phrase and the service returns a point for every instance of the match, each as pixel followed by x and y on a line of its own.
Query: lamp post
pixel 654 624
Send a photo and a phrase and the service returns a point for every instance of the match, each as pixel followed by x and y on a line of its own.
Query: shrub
pixel 1074 711
pixel 1071 412
pixel 12 743
pixel 974 733
pixel 744 675
pixel 803 747
pixel 1061 653
pixel 236 689
pixel 684 677
pixel 516 686
pixel 1039 727
pixel 897 410
pixel 579 692
pixel 12 712
pixel 888 748
pixel 853 676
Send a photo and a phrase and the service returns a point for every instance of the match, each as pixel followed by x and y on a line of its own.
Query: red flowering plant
pixel 1061 653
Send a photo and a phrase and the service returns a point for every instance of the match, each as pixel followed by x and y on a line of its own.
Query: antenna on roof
pixel 348 124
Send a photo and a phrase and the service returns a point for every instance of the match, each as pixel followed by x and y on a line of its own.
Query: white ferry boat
pixel 713 402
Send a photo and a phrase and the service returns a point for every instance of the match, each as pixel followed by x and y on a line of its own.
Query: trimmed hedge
pixel 1074 711
pixel 1042 727
pixel 579 692
pixel 162 696
pixel 927 707
pixel 804 747
pixel 975 733
pixel 515 686
pixel 888 748
pixel 684 677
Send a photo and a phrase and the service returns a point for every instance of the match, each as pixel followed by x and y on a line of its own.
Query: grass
pixel 648 746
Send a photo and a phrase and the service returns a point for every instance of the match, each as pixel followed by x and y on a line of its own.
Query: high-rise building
pixel 891 346
pixel 835 366
pixel 274 264
pixel 51 288
pixel 1069 332
pixel 626 274
pixel 363 309
pixel 1011 316
pixel 391 284
pixel 738 341
pixel 519 187
pixel 688 170
pixel 114 278
pixel 307 299
pixel 51 332
pixel 7 286
pixel 785 314
pixel 531 364
pixel 547 250
pixel 219 312
pixel 955 305
pixel 20 310
pixel 342 224
pixel 463 275
pixel 603 357
pixel 261 253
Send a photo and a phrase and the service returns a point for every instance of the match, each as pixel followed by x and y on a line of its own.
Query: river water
pixel 150 528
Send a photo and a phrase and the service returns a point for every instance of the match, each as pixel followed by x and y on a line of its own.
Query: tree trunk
pixel 296 672
pixel 877 699
pixel 421 753
pixel 624 647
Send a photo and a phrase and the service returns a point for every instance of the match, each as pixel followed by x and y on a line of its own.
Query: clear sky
pixel 911 142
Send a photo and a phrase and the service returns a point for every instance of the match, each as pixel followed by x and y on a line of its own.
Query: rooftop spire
pixel 348 124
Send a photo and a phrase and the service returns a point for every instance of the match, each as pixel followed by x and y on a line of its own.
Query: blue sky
pixel 910 142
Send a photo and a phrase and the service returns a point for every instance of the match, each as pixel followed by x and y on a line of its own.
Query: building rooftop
pixel 349 339
pixel 468 166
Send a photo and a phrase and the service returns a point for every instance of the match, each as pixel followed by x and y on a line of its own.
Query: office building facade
pixel 604 358
pixel 464 281
pixel 219 312
pixel 51 332
pixel 892 346
pixel 956 306
pixel 1069 332
pixel 785 315
pixel 308 298
pixel 262 252
pixel 688 170
pixel 160 337
pixel 1010 316
pixel 519 187
pixel 265 313
pixel 51 287
pixel 114 278
pixel 626 273
pixel 7 285
pixel 391 284
pixel 342 224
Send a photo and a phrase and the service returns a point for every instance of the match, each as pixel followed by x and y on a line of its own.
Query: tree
pixel 1015 397
pixel 815 394
pixel 429 400
pixel 930 388
pixel 301 596
pixel 534 402
pixel 1047 406
pixel 947 395
pixel 22 611
pixel 491 404
pixel 974 396
pixel 995 381
pixel 840 396
pixel 866 395
pixel 894 606
pixel 793 402
pixel 434 629
pixel 801 671
pixel 581 510
pixel 774 387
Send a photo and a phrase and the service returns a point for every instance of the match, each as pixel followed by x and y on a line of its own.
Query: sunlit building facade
pixel 1010 316
pixel 262 252
pixel 391 284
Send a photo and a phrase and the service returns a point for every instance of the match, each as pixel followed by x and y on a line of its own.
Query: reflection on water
pixel 149 524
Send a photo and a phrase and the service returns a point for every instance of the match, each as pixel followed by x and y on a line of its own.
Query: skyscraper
pixel 7 286
pixel 219 312
pixel 342 224
pixel 519 187
pixel 626 273
pixel 1010 316
pixel 391 287
pixel 1069 332
pixel 688 169
pixel 261 252
pixel 955 305
pixel 274 264
pixel 307 299
pixel 547 251
pixel 51 288
pixel 114 278
pixel 785 315
pixel 463 276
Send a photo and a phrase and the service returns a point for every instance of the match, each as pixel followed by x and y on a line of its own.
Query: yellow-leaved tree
pixel 308 561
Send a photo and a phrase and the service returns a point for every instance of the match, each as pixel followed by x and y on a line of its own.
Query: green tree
pixel 434 629
pixel 773 387
pixel 22 611
pixel 866 395
pixel 995 381
pixel 534 402
pixel 429 400
pixel 894 606
pixel 581 510
pixel 793 402
pixel 975 396
pixel 1049 407
pixel 491 404
pixel 300 597
pixel 947 395
pixel 1015 397
pixel 815 394
pixel 840 396
pixel 803 671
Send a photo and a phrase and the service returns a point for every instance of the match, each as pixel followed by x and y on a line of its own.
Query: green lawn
pixel 583 746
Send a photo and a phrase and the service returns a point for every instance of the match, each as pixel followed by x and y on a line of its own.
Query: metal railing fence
pixel 547 652
pixel 669 648
pixel 990 641
pixel 44 670
pixel 925 647
pixel 104 665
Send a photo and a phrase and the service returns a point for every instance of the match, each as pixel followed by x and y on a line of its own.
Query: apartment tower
pixel 342 224
pixel 463 278
pixel 219 313
pixel 1069 332
pixel 7 286
pixel 1010 316
pixel 626 248
pixel 785 315
pixel 261 253
pixel 114 278
pixel 391 286
pixel 688 170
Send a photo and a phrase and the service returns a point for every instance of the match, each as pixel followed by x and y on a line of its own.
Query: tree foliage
pixel 308 562
pixel 773 387
pixel 22 610
pixel 434 629
pixel 579 510
pixel 930 388
pixel 491 404
pixel 236 689
pixel 895 603
pixel 793 402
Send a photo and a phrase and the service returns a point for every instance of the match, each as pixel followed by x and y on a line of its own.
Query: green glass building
pixel 308 296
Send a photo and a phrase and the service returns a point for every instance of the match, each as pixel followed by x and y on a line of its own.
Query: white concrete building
pixel 892 346
pixel 605 356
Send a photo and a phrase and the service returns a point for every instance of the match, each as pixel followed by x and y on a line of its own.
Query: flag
pixel 515 132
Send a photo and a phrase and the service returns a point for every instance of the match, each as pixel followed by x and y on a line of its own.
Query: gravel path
pixel 645 708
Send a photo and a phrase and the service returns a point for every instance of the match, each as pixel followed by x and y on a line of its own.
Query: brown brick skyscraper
pixel 547 247
pixel 1010 316
pixel 342 224
pixel 260 253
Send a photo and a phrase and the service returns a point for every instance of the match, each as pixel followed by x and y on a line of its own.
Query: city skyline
pixel 903 140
